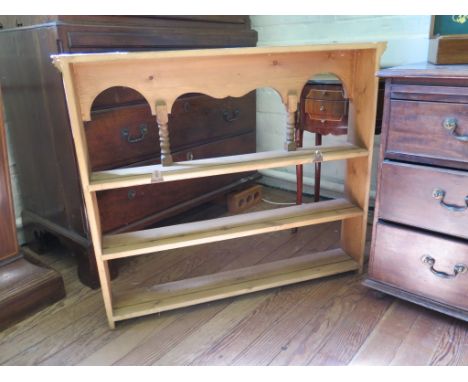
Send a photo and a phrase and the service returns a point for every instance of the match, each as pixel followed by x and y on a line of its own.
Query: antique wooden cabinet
pixel 122 131
pixel 420 239
pixel 25 285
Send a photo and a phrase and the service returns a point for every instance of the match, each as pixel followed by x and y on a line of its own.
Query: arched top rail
pixel 219 73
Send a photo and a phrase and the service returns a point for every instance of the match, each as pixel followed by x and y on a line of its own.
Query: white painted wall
pixel 407 38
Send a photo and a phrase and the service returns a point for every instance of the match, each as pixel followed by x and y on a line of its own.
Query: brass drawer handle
pixel 439 194
pixel 230 116
pixel 457 269
pixel 125 134
pixel 451 125
pixel 131 194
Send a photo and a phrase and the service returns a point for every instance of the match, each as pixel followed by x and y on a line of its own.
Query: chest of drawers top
pixel 426 70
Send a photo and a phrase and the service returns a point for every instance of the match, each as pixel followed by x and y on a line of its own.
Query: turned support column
pixel 162 118
pixel 291 107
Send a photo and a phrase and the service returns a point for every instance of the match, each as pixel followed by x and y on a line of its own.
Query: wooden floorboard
pixel 330 321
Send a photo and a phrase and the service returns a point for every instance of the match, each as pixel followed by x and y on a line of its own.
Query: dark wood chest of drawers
pixel 420 240
pixel 122 131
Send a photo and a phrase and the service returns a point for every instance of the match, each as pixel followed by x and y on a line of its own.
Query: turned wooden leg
pixel 289 144
pixel 162 118
pixel 318 170
pixel 299 169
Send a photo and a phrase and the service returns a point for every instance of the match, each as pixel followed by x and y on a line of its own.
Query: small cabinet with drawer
pixel 419 248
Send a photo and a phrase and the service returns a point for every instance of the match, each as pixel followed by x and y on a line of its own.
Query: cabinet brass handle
pixel 451 125
pixel 230 116
pixel 131 194
pixel 125 134
pixel 457 269
pixel 439 195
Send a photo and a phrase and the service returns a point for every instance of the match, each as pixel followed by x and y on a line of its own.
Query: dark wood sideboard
pixel 419 247
pixel 25 284
pixel 122 131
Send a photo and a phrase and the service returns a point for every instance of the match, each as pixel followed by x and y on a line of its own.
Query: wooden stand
pixel 25 285
pixel 161 77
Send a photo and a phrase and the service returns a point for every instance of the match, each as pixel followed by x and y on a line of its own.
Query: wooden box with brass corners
pixel 448 40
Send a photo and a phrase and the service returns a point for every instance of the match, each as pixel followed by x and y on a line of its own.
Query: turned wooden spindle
pixel 162 119
pixel 290 144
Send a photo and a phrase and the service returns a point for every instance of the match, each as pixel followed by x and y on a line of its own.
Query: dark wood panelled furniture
pixel 420 240
pixel 122 131
pixel 25 285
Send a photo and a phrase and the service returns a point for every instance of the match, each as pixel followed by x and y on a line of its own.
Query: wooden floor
pixel 331 321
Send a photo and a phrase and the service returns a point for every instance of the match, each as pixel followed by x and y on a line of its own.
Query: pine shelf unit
pixel 161 77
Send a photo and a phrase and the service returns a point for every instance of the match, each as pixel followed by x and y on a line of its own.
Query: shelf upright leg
pixel 162 118
pixel 92 211
pixel 291 107
pixel 299 168
pixel 360 132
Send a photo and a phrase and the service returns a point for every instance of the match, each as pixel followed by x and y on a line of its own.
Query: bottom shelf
pixel 178 294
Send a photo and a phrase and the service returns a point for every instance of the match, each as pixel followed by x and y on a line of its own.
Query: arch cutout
pixel 121 129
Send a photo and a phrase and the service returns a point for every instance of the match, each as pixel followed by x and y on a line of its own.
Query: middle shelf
pixel 208 231
pixel 135 176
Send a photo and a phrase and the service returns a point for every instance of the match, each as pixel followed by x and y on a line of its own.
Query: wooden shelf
pixel 178 294
pixel 135 176
pixel 161 78
pixel 208 231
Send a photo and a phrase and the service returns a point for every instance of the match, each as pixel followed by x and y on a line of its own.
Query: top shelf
pixel 162 77
pixel 58 59
pixel 136 176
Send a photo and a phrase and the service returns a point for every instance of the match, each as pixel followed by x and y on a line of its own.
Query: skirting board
pixel 287 181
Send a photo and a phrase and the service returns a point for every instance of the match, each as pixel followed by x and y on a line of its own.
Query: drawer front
pixel 320 110
pixel 121 136
pixel 325 102
pixel 431 132
pixel 197 119
pixel 124 206
pixel 128 134
pixel 426 197
pixel 421 263
pixel 324 92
